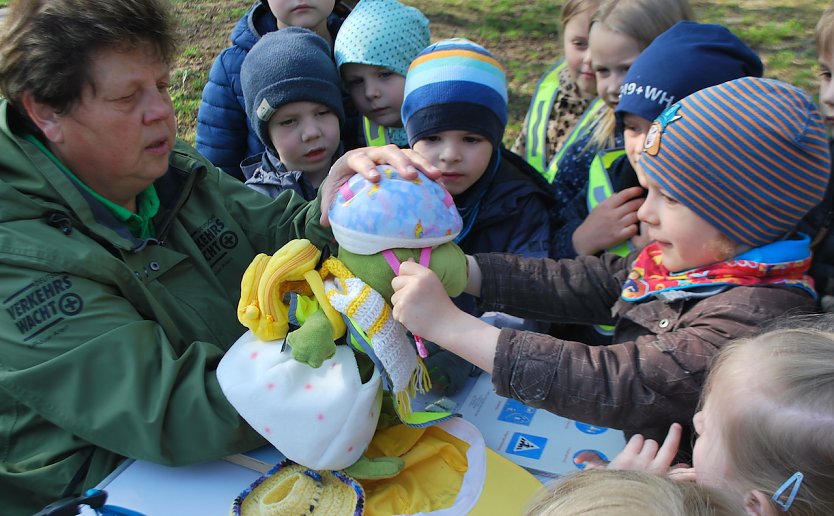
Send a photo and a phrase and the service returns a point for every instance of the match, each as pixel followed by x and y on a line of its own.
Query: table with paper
pixel 541 442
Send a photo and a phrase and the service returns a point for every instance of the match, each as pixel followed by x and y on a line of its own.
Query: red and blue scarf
pixel 648 276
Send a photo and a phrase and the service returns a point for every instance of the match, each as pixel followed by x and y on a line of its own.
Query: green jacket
pixel 108 343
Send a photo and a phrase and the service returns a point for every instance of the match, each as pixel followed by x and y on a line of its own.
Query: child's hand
pixel 642 454
pixel 611 222
pixel 364 161
pixel 420 301
pixel 423 306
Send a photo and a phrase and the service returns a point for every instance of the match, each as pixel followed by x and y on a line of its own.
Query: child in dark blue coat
pixel 224 134
pixel 455 111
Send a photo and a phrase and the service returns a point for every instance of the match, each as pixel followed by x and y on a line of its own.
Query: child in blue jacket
pixel 224 134
pixel 294 103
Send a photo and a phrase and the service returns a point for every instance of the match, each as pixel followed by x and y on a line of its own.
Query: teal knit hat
pixel 750 156
pixel 382 33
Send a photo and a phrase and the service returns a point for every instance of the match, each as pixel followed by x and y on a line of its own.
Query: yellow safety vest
pixel 538 116
pixel 599 189
pixel 585 124
pixel 374 133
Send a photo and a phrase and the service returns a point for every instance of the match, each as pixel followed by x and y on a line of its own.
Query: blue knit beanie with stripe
pixel 455 85
pixel 749 156
pixel 382 33
pixel 688 57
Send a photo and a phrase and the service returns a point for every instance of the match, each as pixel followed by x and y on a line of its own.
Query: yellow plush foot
pixel 261 307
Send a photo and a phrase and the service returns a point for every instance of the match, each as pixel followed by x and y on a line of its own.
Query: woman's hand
pixel 364 161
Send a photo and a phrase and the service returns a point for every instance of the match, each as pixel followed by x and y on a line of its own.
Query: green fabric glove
pixel 373 469
pixel 312 343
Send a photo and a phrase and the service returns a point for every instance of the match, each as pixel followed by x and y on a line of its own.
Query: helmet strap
pixel 394 262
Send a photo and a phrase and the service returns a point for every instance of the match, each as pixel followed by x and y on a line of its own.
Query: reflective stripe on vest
pixel 374 133
pixel 600 188
pixel 585 124
pixel 538 116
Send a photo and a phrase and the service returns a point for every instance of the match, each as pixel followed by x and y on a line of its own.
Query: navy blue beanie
pixel 288 65
pixel 686 58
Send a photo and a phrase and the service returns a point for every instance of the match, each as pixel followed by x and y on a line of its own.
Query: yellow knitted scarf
pixel 370 312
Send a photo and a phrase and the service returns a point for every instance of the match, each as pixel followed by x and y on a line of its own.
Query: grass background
pixel 523 34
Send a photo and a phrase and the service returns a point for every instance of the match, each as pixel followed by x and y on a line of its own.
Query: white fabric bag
pixel 321 418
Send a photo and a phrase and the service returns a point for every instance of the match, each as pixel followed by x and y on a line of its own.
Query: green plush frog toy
pixel 378 226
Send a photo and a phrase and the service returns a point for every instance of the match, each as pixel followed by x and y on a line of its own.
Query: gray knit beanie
pixel 382 33
pixel 289 65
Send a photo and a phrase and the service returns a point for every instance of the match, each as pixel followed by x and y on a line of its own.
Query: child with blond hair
pixel 824 37
pixel 562 93
pixel 764 432
pixel 607 492
pixel 620 30
pixel 818 223
pixel 729 171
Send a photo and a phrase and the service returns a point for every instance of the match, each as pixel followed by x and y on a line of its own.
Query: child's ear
pixel 756 503
pixel 44 116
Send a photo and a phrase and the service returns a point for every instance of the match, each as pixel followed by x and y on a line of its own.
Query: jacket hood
pixel 249 29
pixel 23 194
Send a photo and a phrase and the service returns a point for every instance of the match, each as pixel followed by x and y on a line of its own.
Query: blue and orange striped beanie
pixel 750 156
pixel 455 85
